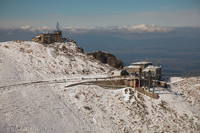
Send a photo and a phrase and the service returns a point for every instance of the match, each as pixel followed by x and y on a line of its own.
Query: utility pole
pixel 149 74
pixel 139 84
pixel 153 89
pixel 154 78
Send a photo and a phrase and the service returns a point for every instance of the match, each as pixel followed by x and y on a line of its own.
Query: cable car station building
pixel 143 68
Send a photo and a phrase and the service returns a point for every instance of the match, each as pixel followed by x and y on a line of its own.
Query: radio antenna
pixel 57 27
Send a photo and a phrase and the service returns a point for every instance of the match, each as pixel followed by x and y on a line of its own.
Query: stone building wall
pixel 48 38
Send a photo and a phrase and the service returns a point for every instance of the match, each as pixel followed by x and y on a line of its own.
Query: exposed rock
pixel 107 58
pixel 80 49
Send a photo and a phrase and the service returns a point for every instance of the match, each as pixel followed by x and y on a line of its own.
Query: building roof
pixel 37 36
pixel 151 67
pixel 46 36
pixel 133 67
pixel 141 63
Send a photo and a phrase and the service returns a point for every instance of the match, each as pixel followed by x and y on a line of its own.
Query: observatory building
pixel 48 38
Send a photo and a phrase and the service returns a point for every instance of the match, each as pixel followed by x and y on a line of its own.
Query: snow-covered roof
pixel 133 67
pixel 146 70
pixel 141 63
pixel 153 67
pixel 37 36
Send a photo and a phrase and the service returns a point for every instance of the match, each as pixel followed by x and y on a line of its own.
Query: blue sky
pixel 16 13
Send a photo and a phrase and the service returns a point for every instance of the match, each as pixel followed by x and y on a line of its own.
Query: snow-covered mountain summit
pixel 30 61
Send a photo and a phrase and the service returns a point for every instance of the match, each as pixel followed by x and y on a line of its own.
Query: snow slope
pixel 34 97
pixel 29 73
pixel 126 110
pixel 38 108
pixel 31 61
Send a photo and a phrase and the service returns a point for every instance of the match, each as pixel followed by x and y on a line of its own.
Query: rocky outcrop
pixel 107 58
pixel 79 49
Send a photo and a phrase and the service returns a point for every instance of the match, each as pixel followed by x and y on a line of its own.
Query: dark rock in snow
pixel 107 58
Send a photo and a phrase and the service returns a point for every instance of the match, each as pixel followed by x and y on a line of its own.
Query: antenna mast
pixel 57 27
pixel 158 62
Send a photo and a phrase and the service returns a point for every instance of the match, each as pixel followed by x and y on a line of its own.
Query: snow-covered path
pixel 38 108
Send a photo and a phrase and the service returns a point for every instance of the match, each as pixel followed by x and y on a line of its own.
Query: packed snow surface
pixel 34 97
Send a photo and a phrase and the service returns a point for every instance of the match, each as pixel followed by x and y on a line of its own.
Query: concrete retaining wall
pixel 118 83
pixel 150 94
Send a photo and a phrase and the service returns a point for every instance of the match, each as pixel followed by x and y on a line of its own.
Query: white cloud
pixel 142 28
pixel 80 30
pixel 33 29
pixel 25 27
